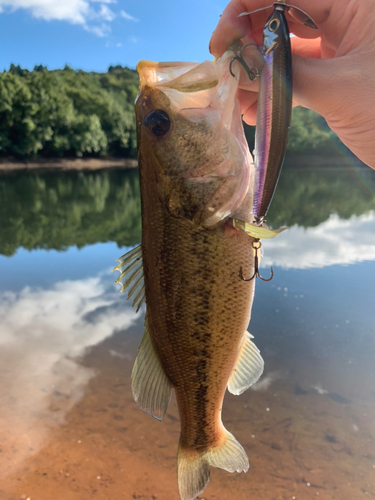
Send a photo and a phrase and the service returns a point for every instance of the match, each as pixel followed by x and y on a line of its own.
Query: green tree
pixel 67 112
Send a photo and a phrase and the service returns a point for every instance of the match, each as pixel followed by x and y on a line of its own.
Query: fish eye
pixel 274 24
pixel 158 122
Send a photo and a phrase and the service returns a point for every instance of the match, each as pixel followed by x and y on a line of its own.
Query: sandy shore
pixel 301 445
pixel 58 164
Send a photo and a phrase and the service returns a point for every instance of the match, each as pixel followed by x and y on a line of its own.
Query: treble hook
pixel 252 73
pixel 256 246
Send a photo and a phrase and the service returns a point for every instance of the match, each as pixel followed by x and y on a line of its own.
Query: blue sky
pixel 93 34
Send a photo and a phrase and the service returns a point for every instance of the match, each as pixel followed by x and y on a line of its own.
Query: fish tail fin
pixel 194 466
pixel 193 473
pixel 229 455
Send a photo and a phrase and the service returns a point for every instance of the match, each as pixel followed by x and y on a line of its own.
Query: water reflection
pixel 44 333
pixel 68 425
pixel 308 195
pixel 57 210
pixel 335 241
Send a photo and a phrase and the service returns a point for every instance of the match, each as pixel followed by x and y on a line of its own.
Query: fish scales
pixel 196 177
pixel 193 292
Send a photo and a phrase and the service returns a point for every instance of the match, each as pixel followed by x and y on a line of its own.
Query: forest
pixel 67 113
pixel 74 113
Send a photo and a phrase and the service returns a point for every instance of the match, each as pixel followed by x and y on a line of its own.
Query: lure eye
pixel 274 24
pixel 158 122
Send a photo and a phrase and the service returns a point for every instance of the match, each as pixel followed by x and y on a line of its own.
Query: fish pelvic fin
pixel 248 368
pixel 152 390
pixel 131 278
pixel 194 465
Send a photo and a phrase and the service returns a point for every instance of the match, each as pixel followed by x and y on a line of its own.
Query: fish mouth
pixel 193 88
pixel 204 95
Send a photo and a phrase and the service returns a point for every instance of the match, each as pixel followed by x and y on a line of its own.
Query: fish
pixel 274 102
pixel 196 179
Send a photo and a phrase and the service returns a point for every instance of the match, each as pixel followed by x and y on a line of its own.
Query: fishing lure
pixel 273 114
pixel 274 102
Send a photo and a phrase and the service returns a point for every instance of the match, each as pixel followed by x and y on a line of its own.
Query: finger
pixel 250 115
pixel 232 27
pixel 248 101
pixel 313 81
pixel 306 48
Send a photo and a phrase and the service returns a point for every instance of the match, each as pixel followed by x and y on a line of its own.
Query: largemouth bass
pixel 196 176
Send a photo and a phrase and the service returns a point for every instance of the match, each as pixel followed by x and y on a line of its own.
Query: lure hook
pixel 252 73
pixel 256 246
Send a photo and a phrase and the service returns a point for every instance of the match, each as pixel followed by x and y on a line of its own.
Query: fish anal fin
pixel 249 367
pixel 151 387
pixel 194 465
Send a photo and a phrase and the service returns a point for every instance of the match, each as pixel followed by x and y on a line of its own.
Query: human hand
pixel 333 67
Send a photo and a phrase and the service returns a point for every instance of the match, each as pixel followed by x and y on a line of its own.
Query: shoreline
pixel 292 160
pixel 64 164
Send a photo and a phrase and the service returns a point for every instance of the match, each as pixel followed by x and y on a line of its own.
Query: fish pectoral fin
pixel 151 387
pixel 193 465
pixel 131 269
pixel 256 231
pixel 248 368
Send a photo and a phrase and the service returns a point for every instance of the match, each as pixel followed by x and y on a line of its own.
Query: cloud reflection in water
pixel 42 332
pixel 335 241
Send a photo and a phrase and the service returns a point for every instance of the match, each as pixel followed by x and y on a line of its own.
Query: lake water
pixel 69 429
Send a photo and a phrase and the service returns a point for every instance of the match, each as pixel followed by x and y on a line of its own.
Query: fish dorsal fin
pixel 151 387
pixel 131 269
pixel 248 368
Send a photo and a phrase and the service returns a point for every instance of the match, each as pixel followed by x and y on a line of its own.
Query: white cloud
pixel 128 17
pixel 100 31
pixel 335 241
pixel 81 12
pixel 106 14
pixel 43 334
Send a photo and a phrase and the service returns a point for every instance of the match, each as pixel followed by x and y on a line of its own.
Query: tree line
pixel 67 113
pixel 77 113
